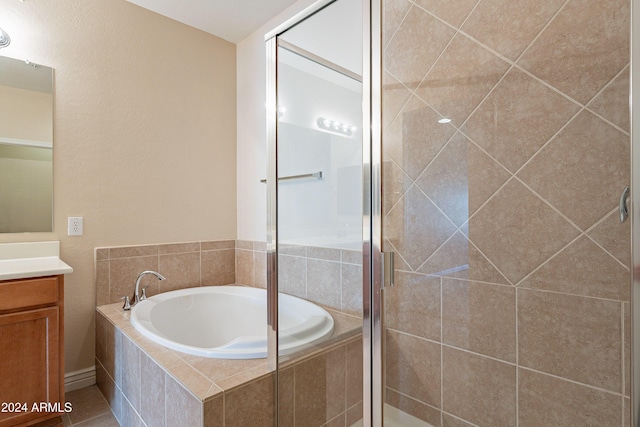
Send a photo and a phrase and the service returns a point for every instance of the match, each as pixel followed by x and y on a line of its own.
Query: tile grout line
pixel 517 344
pixel 459 279
pixel 582 233
pixel 623 379
pixel 392 36
pixel 511 63
pixel 476 354
pixel 442 412
pixel 441 350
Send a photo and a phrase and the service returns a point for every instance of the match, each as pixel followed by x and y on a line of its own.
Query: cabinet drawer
pixel 28 293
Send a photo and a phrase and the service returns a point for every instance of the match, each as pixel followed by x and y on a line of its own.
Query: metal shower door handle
pixel 388 269
pixel 624 209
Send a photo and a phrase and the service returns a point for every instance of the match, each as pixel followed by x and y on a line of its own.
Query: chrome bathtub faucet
pixel 137 296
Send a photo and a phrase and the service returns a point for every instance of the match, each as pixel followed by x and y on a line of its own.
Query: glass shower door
pixel 319 215
pixel 506 148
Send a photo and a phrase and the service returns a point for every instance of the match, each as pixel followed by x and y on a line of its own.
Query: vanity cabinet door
pixel 29 363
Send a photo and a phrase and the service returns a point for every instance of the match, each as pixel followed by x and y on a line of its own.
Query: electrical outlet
pixel 75 226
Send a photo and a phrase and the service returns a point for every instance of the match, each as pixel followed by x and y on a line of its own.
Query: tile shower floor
pixel 90 409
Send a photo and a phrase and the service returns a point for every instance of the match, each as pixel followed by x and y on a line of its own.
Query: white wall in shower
pixel 323 211
pixel 251 96
pixel 342 45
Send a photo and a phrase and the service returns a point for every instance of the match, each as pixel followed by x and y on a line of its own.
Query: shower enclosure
pixel 462 197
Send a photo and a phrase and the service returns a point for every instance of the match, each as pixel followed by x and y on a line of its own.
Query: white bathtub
pixel 228 322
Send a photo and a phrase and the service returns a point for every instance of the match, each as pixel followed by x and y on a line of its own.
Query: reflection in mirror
pixel 26 146
pixel 319 209
pixel 326 211
pixel 319 129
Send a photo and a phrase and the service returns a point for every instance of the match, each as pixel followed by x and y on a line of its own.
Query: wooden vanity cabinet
pixel 31 351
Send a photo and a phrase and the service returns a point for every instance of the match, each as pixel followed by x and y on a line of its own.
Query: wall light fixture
pixel 335 126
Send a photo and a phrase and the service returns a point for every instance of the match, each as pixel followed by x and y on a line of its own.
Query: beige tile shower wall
pixel 184 265
pixel 251 263
pixel 512 296
pixel 327 276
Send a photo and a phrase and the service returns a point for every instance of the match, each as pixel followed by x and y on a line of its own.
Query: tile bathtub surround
pixel 251 263
pixel 513 270
pixel 185 265
pixel 144 382
pixel 329 277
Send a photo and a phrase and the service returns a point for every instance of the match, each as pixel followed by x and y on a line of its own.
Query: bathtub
pixel 228 322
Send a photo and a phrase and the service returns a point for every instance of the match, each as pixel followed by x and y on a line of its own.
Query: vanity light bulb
pixel 335 126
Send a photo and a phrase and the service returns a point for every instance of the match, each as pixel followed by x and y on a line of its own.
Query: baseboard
pixel 79 379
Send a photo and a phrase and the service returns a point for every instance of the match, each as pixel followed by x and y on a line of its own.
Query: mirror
pixel 26 147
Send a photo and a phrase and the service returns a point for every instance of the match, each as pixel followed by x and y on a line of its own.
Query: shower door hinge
pixel 388 269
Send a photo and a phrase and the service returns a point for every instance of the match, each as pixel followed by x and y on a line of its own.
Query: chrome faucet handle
pixel 144 293
pixel 139 296
pixel 127 304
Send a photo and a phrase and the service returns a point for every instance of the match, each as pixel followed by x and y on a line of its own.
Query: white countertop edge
pixel 32 267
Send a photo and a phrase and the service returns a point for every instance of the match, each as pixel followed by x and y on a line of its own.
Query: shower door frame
pixel 634 90
pixel 372 273
pixel 373 378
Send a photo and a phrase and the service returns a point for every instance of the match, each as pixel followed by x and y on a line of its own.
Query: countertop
pixel 33 259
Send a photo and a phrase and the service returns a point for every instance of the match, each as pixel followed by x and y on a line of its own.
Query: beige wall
pixel 144 135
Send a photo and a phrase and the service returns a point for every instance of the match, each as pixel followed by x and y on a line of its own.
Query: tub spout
pixel 137 296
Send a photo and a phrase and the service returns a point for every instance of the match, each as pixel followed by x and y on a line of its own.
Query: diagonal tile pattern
pixel 446 180
pixel 414 138
pixel 453 13
pixel 461 78
pixel 614 238
pixel 459 258
pixel 509 27
pixel 417 228
pixel 582 171
pixel 396 184
pixel 518 231
pixel 396 95
pixel 395 11
pixel 582 269
pixel 613 102
pixel 518 118
pixel 416 45
pixel 583 48
pixel 510 207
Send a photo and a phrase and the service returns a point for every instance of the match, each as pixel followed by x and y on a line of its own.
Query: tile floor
pixel 90 409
